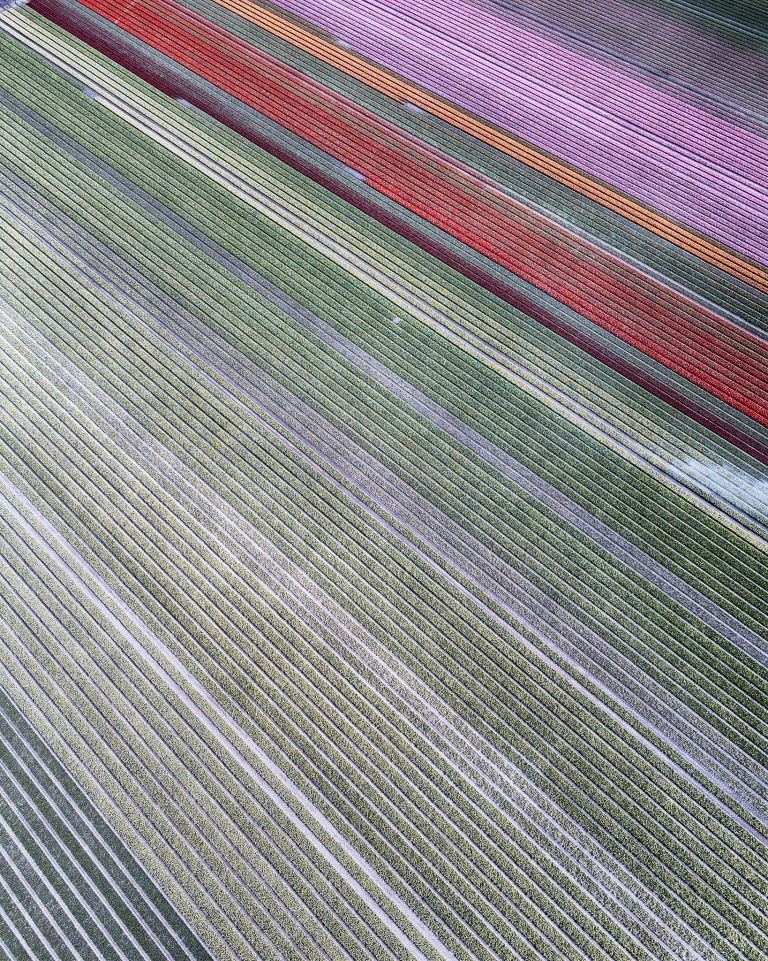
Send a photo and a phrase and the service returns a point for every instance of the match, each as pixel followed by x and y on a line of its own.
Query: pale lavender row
pixel 698 168
pixel 702 60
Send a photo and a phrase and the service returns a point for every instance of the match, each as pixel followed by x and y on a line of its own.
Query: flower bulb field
pixel 384 480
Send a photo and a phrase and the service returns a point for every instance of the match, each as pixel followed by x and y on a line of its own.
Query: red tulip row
pixel 716 355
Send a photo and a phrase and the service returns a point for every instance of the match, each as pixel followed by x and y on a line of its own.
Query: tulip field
pixel 383 481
